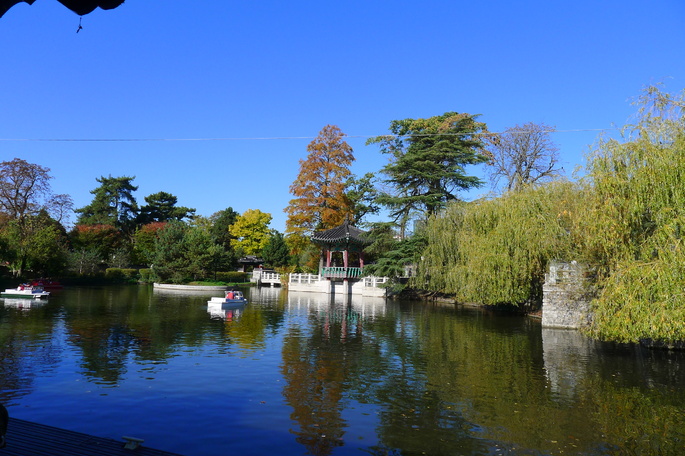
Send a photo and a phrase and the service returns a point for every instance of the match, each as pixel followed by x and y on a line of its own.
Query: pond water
pixel 301 373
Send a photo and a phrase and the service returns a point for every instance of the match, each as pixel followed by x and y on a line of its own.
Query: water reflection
pixel 315 367
pixel 23 304
pixel 220 313
pixel 566 355
pixel 302 372
pixel 27 348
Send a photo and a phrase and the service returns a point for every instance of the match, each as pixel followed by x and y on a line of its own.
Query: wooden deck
pixel 25 438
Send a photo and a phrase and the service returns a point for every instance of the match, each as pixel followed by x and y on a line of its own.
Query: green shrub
pixel 232 277
pixel 145 275
pixel 121 274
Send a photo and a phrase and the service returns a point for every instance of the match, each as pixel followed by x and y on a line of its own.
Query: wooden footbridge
pixel 25 438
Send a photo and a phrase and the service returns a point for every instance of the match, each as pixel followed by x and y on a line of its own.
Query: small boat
pixel 232 298
pixel 25 291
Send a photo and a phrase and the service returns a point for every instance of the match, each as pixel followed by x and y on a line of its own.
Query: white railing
pixel 270 277
pixel 372 281
pixel 304 278
pixel 259 276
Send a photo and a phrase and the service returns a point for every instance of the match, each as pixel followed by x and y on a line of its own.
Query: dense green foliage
pixel 161 207
pixel 429 156
pixel 232 277
pixel 626 219
pixel 219 224
pixel 30 219
pixel 276 252
pixel 391 257
pixel 122 275
pixel 496 251
pixel 636 224
pixel 113 203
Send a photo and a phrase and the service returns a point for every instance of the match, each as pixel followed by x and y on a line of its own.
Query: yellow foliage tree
pixel 251 231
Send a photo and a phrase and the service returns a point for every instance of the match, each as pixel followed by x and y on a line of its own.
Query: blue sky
pixel 206 69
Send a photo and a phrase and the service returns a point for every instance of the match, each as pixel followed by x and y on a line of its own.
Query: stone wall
pixel 566 296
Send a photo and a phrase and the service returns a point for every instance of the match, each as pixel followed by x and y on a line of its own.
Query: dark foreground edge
pixel 25 438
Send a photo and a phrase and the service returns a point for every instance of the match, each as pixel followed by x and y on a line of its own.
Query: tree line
pixel 426 171
pixel 623 218
pixel 168 240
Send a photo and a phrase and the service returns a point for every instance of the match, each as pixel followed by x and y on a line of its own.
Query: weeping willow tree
pixel 636 223
pixel 626 218
pixel 496 251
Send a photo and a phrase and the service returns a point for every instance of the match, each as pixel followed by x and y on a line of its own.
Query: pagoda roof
pixel 344 233
pixel 250 259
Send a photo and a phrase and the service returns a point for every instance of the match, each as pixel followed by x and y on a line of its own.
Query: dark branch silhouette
pixel 79 7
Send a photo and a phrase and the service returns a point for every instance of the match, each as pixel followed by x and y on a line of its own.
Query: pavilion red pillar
pixel 328 258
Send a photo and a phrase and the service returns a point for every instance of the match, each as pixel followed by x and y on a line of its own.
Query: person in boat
pixel 230 294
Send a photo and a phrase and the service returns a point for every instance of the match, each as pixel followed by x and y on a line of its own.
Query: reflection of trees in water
pixel 574 399
pixel 477 383
pixel 105 349
pixel 395 374
pixel 249 331
pixel 114 326
pixel 316 366
pixel 26 347
pixel 378 360
pixel 98 324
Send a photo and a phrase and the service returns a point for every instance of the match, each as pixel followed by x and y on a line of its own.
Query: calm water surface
pixel 299 373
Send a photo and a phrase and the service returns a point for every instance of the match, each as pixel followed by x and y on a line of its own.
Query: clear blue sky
pixel 203 69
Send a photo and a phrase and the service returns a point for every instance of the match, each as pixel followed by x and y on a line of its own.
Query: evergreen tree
pixel 276 253
pixel 428 162
pixel 363 196
pixel 169 261
pixel 221 222
pixel 161 207
pixel 113 204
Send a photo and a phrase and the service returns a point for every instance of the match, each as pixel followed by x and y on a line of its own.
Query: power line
pixel 276 138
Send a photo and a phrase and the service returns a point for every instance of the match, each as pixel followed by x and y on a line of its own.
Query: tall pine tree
pixel 113 204
pixel 428 162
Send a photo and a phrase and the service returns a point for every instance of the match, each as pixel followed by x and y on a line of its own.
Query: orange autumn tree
pixel 320 201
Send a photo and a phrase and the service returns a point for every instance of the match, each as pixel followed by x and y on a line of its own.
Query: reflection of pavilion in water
pixel 337 309
pixel 319 356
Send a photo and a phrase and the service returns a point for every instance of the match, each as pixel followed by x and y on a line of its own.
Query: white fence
pixel 367 286
pixel 304 278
